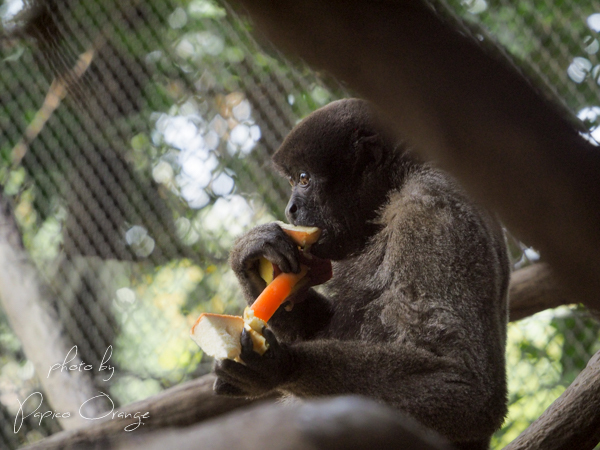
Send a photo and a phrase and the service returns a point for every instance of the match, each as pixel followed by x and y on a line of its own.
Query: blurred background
pixel 135 143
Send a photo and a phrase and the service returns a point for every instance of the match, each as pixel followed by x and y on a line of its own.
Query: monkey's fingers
pixel 274 346
pixel 238 374
pixel 243 377
pixel 268 241
pixel 246 341
pixel 284 255
pixel 221 387
pixel 248 355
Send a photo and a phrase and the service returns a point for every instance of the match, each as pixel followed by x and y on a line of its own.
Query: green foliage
pixel 545 353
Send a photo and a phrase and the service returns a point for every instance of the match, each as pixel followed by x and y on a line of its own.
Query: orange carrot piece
pixel 275 294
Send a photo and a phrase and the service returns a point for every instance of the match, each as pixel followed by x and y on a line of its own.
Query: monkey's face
pixel 310 205
pixel 338 176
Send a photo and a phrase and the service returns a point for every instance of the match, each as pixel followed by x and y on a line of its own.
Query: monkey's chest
pixel 358 292
pixel 358 317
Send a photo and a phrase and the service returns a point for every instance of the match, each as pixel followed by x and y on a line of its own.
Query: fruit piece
pixel 275 293
pixel 320 270
pixel 266 270
pixel 218 335
pixel 303 236
pixel 251 322
pixel 281 285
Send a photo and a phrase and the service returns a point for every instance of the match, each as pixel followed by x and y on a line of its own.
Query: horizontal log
pixel 534 289
pixel 186 404
pixel 344 422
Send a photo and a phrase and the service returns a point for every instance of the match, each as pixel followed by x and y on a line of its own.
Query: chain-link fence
pixel 135 143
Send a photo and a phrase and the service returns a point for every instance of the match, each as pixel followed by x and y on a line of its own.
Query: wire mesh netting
pixel 136 139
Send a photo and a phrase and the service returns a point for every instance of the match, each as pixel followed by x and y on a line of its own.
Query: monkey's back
pixel 435 276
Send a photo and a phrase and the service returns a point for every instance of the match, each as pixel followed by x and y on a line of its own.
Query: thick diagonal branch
pixel 37 327
pixel 470 111
pixel 572 421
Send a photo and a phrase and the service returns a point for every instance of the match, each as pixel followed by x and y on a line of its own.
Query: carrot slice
pixel 279 287
pixel 275 293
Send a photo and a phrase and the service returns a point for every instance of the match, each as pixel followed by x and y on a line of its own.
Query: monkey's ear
pixel 369 151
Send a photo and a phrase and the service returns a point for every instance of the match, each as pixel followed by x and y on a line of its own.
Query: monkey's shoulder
pixel 438 259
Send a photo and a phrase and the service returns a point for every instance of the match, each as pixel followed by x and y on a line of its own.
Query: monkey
pixel 415 314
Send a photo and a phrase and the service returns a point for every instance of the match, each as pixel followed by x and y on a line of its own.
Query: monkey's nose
pixel 291 212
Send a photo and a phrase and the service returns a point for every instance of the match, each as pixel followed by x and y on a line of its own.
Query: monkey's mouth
pixel 323 247
pixel 325 244
pixel 333 246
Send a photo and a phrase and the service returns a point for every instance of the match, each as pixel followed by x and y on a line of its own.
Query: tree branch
pixel 180 406
pixel 344 422
pixel 572 421
pixel 471 112
pixel 534 289
pixel 37 326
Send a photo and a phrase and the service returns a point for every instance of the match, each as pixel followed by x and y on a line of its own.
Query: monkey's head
pixel 341 164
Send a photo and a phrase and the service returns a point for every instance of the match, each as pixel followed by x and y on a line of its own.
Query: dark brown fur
pixel 415 315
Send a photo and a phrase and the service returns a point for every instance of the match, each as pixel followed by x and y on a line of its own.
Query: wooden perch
pixel 467 109
pixel 344 422
pixel 179 406
pixel 572 421
pixel 534 289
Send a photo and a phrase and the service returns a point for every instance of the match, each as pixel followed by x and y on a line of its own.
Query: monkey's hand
pixel 267 241
pixel 259 375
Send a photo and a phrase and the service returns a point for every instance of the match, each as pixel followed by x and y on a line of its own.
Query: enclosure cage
pixel 136 138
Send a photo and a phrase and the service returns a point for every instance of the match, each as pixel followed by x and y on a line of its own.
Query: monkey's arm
pixel 432 388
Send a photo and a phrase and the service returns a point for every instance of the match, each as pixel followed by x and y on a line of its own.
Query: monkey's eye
pixel 304 179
